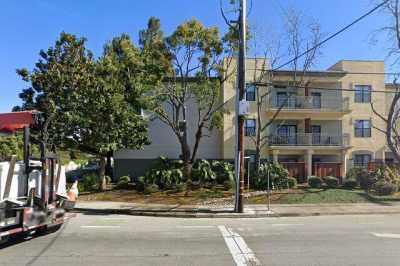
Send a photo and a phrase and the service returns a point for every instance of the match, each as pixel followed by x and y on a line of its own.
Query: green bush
pixel 203 172
pixel 224 171
pixel 140 184
pixel 124 182
pixel 89 182
pixel 153 188
pixel 228 185
pixel 292 182
pixel 315 181
pixel 384 188
pixel 166 174
pixel 349 184
pixel 278 177
pixel 10 145
pixel 331 181
pixel 367 181
pixel 108 179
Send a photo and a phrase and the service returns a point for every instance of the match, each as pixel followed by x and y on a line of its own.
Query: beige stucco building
pixel 325 125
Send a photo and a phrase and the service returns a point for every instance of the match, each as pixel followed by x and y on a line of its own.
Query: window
pixel 363 94
pixel 250 93
pixel 362 160
pixel 363 129
pixel 287 134
pixel 316 100
pixel 250 127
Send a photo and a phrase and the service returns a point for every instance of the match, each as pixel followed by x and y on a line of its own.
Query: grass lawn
pixel 313 196
pixel 293 196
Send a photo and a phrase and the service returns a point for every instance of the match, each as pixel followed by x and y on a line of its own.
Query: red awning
pixel 16 120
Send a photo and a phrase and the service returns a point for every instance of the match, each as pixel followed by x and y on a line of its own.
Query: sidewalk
pixel 251 211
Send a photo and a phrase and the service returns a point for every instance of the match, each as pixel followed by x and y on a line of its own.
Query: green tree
pixel 93 105
pixel 196 53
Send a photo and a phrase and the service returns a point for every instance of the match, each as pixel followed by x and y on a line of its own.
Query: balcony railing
pixel 323 103
pixel 309 139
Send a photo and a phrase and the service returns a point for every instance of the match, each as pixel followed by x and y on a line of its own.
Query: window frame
pixel 252 93
pixel 363 93
pixel 364 163
pixel 250 131
pixel 366 132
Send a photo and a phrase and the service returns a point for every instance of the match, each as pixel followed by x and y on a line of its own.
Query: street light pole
pixel 239 158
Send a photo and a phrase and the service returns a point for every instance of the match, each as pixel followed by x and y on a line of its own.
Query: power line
pixel 265 84
pixel 330 72
pixel 333 35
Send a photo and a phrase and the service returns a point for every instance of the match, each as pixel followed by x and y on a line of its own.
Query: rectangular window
pixel 362 160
pixel 363 94
pixel 250 93
pixel 362 129
pixel 316 100
pixel 250 127
pixel 287 134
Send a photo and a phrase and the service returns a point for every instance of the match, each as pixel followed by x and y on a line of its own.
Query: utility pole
pixel 240 92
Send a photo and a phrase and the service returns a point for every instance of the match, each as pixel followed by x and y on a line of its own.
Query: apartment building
pixel 324 127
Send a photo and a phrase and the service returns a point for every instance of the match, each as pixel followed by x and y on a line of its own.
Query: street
pixel 129 240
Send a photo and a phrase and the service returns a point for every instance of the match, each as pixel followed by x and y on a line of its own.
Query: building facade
pixel 323 125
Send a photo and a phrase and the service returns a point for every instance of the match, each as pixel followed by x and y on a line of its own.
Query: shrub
pixel 164 174
pixel 123 182
pixel 278 177
pixel 292 182
pixel 350 184
pixel 108 179
pixel 224 171
pixel 331 181
pixel 367 181
pixel 140 184
pixel 203 172
pixel 384 188
pixel 315 181
pixel 89 182
pixel 151 189
pixel 228 185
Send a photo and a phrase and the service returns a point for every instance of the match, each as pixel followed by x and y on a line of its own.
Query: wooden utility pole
pixel 239 158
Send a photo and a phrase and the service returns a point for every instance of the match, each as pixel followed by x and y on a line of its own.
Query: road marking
pixel 241 253
pixel 196 226
pixel 386 235
pixel 101 226
pixel 286 224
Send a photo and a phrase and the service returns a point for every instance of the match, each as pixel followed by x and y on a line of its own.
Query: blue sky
pixel 31 25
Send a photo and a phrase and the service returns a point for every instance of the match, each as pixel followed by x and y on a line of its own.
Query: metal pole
pixel 240 119
pixel 268 192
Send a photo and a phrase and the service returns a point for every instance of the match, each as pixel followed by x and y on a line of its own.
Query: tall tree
pixel 298 37
pixel 392 120
pixel 93 105
pixel 196 56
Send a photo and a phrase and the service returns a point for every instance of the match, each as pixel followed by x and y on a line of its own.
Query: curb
pixel 216 214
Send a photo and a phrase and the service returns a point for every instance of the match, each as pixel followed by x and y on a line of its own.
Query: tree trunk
pixel 102 173
pixel 109 170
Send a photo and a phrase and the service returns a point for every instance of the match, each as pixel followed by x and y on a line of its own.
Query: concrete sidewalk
pixel 251 211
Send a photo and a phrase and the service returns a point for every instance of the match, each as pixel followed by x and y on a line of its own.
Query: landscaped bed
pixel 302 195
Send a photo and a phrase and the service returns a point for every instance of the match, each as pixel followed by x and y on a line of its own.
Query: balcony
pixel 309 103
pixel 310 139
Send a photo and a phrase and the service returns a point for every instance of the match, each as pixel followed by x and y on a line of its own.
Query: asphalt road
pixel 128 240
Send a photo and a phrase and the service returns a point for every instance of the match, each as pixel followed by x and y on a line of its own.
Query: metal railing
pixel 309 139
pixel 323 103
